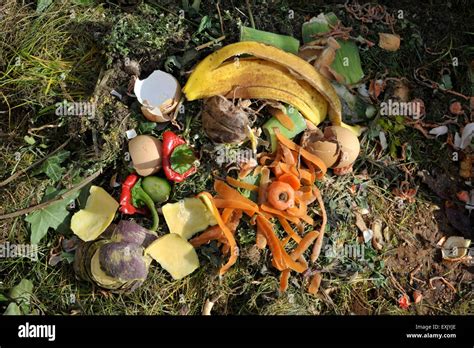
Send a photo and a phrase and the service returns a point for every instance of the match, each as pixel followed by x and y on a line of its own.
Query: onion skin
pixel 224 122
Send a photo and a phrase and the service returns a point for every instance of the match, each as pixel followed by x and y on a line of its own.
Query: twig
pixel 210 43
pixel 220 16
pixel 423 80
pixel 396 283
pixel 33 130
pixel 52 201
pixel 21 172
pixel 37 129
pixel 412 274
pixel 249 9
pixel 9 110
pixel 206 310
pixel 449 285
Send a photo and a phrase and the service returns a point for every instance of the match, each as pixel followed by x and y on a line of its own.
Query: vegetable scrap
pixel 274 192
pixel 98 214
pixel 299 163
pixel 285 190
pixel 115 260
pixel 179 161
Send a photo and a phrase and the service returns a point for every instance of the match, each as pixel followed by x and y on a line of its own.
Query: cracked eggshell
pixel 338 147
pixel 348 144
pixel 315 142
pixel 145 152
pixel 159 95
pixel 455 248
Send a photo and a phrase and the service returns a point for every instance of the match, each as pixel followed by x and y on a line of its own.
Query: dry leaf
pixel 463 141
pixel 401 91
pixel 389 42
pixel 417 296
pixel 441 130
pixel 377 240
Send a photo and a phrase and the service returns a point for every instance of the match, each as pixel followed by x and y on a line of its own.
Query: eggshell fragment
pixel 455 248
pixel 145 152
pixel 348 144
pixel 338 147
pixel 314 141
pixel 159 95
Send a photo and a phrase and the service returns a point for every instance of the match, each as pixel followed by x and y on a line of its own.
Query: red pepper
pixel 170 142
pixel 126 206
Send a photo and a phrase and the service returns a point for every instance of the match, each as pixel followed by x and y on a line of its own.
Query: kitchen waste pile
pixel 275 191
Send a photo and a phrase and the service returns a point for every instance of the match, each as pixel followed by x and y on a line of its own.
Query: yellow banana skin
pixel 299 68
pixel 270 53
pixel 258 72
pixel 263 92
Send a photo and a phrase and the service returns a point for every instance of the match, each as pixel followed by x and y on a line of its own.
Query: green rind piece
pixel 298 120
pixel 347 62
pixel 284 42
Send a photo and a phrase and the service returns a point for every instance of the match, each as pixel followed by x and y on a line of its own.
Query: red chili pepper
pixel 170 142
pixel 126 206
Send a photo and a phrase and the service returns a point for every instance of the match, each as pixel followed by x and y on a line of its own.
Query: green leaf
pixel 69 257
pixel 20 294
pixel 13 309
pixel 52 166
pixel 84 2
pixel 29 140
pixel 54 171
pixel 446 82
pixel 284 42
pixel 182 159
pixel 3 298
pixel 146 127
pixel 205 24
pixel 185 4
pixel 196 5
pixel 43 5
pixel 50 217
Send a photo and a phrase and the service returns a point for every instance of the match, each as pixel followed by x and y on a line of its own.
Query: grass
pixel 63 61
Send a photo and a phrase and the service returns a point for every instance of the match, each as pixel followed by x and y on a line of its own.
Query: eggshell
pixel 455 248
pixel 159 95
pixel 328 151
pixel 348 144
pixel 145 152
pixel 314 141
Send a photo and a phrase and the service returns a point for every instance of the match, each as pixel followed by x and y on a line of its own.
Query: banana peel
pixel 263 74
pixel 292 62
pixel 203 75
pixel 263 92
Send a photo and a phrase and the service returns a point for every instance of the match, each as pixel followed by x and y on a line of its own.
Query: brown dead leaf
pixel 376 87
pixel 401 91
pixel 389 42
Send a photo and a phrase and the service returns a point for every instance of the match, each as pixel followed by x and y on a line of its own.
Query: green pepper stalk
pixel 140 198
